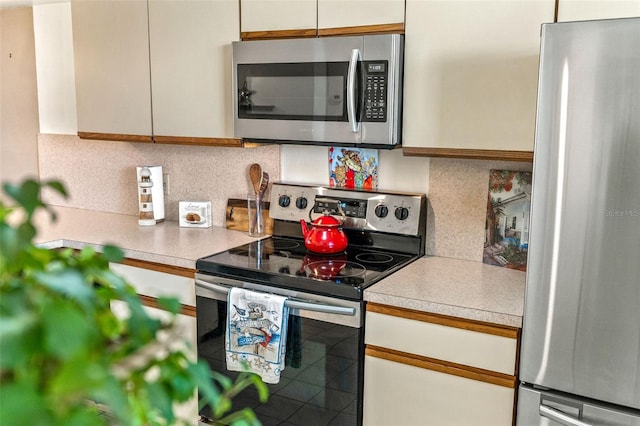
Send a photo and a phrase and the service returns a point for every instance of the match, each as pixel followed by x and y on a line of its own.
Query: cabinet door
pixel 277 15
pixel 350 13
pixel 401 394
pixel 187 324
pixel 152 283
pixel 471 68
pixel 581 10
pixel 190 50
pixel 111 49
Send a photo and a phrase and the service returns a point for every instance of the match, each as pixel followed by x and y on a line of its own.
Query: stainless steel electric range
pixel 322 382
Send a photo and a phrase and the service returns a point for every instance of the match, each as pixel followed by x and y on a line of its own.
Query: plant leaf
pixel 21 403
pixel 68 282
pixel 18 338
pixel 170 304
pixel 66 329
pixel 112 253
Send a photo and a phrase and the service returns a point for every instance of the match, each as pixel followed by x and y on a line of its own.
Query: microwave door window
pixel 299 91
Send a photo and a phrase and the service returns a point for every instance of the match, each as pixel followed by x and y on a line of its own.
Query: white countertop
pixel 165 243
pixel 458 288
pixel 454 287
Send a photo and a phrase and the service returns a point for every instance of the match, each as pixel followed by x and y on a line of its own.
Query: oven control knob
pixel 301 203
pixel 402 213
pixel 284 201
pixel 381 210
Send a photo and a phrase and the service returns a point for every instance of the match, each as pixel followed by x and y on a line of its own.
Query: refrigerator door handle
pixel 560 417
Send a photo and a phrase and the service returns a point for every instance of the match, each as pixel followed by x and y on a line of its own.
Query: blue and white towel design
pixel 256 333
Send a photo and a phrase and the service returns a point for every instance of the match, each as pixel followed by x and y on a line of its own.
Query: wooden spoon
pixel 255 175
pixel 264 183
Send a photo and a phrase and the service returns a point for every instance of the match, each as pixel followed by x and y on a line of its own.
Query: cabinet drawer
pixel 449 343
pixel 402 394
pixel 153 283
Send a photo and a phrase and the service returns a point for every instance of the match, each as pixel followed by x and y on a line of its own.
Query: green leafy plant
pixel 67 359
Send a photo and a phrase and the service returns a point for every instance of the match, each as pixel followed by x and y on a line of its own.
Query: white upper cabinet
pixel 310 15
pixel 111 49
pixel 190 51
pixel 349 13
pixel 471 71
pixel 582 10
pixel 277 15
pixel 155 71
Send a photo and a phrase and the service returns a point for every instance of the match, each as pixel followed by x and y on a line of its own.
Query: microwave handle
pixel 351 91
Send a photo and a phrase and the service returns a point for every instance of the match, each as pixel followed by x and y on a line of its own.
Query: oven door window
pixel 320 381
pixel 311 91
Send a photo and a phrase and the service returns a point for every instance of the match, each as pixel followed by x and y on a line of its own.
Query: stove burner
pixel 258 256
pixel 277 245
pixel 334 269
pixel 374 257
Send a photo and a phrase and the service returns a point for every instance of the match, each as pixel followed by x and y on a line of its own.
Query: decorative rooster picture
pixel 353 168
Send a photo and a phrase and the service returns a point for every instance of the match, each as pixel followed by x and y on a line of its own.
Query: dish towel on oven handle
pixel 256 333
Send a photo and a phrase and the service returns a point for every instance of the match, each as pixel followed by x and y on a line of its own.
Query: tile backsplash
pixel 101 175
pixel 458 191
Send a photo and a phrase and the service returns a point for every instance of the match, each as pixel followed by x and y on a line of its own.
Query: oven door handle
pixel 290 303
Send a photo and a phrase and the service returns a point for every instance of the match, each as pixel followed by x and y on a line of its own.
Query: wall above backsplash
pixel 310 164
pixel 101 175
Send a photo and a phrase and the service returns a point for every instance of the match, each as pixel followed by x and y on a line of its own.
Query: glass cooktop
pixel 285 262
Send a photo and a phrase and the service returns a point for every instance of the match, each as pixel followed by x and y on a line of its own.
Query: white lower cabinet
pixel 401 394
pixel 151 284
pixel 423 369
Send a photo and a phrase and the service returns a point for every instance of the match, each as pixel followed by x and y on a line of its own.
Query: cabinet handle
pixel 560 417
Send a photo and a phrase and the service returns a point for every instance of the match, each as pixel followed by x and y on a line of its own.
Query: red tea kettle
pixel 324 236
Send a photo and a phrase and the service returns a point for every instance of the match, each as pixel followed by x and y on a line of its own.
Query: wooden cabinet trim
pixel 167 269
pixel 445 367
pixel 177 140
pixel 198 141
pixel 466 324
pixel 152 302
pixel 475 154
pixel 160 267
pixel 397 28
pixel 277 34
pixel 115 137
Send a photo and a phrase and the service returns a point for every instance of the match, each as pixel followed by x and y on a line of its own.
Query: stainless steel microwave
pixel 321 91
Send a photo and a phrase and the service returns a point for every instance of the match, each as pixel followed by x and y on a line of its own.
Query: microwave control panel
pixel 375 91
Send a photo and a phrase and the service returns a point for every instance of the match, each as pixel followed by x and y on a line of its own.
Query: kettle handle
pixel 331 203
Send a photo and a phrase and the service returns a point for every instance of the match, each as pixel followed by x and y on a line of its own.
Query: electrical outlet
pixel 165 183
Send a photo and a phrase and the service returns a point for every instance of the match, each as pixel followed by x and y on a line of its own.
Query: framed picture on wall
pixel 353 168
pixel 507 225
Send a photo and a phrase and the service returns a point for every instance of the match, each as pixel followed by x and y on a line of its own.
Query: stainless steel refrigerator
pixel 580 353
